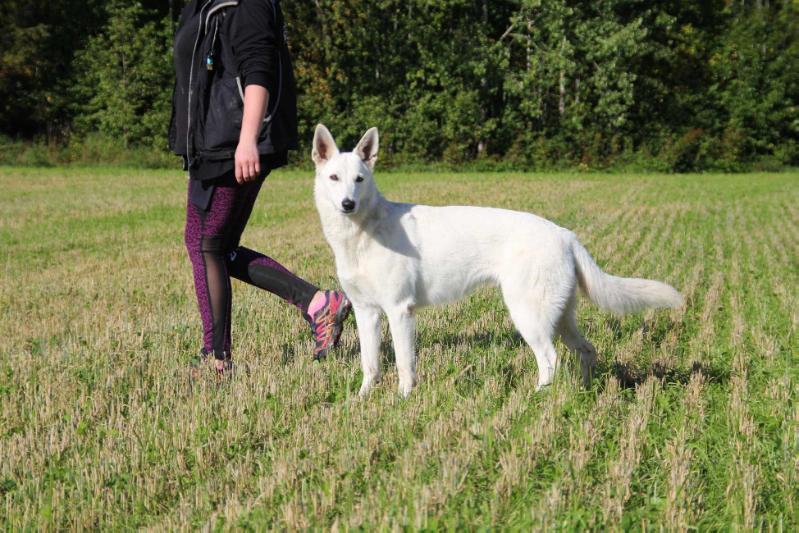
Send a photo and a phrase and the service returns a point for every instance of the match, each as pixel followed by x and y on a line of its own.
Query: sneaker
pixel 327 322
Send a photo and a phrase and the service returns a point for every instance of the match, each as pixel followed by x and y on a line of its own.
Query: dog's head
pixel 344 180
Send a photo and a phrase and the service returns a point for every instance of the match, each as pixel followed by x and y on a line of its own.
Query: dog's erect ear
pixel 367 148
pixel 324 147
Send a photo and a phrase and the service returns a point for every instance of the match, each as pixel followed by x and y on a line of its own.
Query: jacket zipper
pixel 241 91
pixel 218 7
pixel 191 83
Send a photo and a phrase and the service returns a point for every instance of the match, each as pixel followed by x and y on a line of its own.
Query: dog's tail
pixel 620 295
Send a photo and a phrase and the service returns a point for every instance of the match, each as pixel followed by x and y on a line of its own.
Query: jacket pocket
pixel 225 109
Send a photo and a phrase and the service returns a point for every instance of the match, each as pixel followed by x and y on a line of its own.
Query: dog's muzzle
pixel 347 205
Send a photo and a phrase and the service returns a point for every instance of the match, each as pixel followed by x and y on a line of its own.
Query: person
pixel 233 121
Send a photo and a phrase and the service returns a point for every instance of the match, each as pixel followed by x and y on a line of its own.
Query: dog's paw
pixel 588 377
pixel 366 386
pixel 407 381
pixel 545 377
pixel 405 388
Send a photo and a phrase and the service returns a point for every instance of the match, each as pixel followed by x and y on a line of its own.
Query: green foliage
pixel 89 150
pixel 37 41
pixel 756 74
pixel 570 78
pixel 672 85
pixel 124 76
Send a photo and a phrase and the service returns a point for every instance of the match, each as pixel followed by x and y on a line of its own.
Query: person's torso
pixel 208 97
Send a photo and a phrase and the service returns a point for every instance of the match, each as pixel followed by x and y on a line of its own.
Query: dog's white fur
pixel 395 258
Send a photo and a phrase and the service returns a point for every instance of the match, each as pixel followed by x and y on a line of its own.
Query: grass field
pixel 692 422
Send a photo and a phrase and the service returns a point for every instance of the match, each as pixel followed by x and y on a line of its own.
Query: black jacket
pixel 221 46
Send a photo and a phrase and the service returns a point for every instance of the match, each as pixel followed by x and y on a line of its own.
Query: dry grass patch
pixel 692 422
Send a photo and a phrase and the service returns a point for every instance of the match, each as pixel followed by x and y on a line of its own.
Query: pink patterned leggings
pixel 212 240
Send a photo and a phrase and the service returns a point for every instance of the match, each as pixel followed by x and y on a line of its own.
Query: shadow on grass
pixel 630 376
pixel 448 341
pixel 483 340
pixel 346 351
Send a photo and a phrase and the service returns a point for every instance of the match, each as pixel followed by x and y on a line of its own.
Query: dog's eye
pixel 334 177
pixel 359 179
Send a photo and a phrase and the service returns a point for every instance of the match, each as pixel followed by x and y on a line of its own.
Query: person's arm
pixel 248 161
pixel 254 43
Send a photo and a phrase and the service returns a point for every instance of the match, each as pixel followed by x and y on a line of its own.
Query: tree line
pixel 672 85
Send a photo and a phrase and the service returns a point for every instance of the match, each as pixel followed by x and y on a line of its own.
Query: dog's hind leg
pixel 570 333
pixel 402 323
pixel 535 319
pixel 368 320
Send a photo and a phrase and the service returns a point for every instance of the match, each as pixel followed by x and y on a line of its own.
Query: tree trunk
pixel 562 81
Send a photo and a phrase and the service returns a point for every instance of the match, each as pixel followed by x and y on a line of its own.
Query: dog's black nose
pixel 348 205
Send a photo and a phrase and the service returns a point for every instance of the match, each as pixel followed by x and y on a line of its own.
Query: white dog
pixel 396 258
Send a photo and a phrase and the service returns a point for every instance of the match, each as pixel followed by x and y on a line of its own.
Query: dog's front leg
pixel 402 323
pixel 368 320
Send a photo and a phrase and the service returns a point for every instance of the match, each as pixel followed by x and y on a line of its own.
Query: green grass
pixel 692 422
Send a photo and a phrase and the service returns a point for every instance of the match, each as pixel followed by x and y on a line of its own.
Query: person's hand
pixel 248 161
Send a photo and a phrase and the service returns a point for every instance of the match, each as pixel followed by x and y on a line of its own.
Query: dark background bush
pixel 674 85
